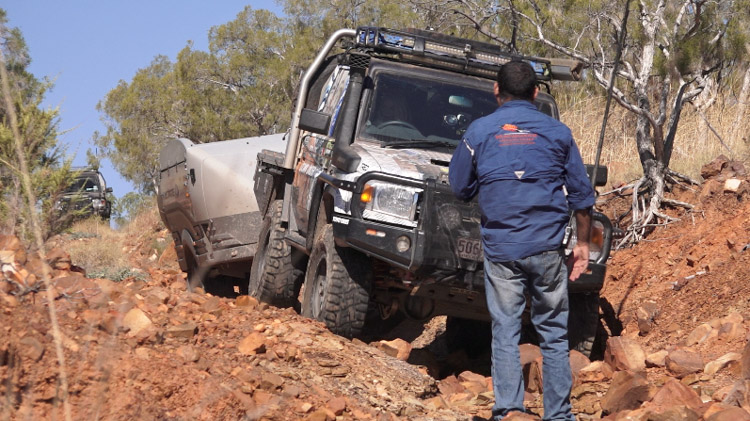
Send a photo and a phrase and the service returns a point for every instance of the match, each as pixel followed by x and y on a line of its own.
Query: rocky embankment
pixel 151 350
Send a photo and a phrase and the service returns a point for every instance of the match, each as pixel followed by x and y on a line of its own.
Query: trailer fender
pixel 194 278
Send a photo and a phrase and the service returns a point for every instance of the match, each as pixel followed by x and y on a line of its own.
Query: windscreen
pixel 422 110
pixel 83 185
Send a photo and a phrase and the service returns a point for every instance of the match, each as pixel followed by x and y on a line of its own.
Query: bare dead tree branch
pixel 481 28
pixel 231 87
pixel 541 38
pixel 678 178
pixel 711 127
pixel 677 203
pixel 665 217
pixel 618 190
pixel 620 43
pixel 674 121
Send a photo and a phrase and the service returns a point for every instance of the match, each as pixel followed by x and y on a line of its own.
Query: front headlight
pixel 390 203
pixel 596 242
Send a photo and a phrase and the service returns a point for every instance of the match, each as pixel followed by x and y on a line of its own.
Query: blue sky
pixel 88 46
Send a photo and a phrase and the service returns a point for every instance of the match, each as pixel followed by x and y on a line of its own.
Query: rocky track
pixel 675 313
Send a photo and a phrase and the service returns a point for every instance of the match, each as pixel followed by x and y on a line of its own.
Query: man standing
pixel 528 173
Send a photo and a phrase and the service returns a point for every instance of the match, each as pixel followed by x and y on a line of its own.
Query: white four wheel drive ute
pixel 358 211
pixel 352 212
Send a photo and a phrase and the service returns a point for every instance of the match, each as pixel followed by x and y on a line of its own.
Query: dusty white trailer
pixel 206 200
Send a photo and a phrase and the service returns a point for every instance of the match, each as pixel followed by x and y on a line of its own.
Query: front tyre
pixel 583 322
pixel 337 286
pixel 273 277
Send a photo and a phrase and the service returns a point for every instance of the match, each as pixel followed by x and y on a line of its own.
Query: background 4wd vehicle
pixel 358 212
pixel 86 196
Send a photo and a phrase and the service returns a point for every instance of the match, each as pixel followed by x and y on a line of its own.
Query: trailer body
pixel 205 198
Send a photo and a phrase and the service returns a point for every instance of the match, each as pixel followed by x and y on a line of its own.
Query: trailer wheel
pixel 195 274
pixel 583 322
pixel 273 276
pixel 337 286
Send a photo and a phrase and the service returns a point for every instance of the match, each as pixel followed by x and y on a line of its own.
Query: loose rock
pixel 682 362
pixel 136 321
pixel 625 354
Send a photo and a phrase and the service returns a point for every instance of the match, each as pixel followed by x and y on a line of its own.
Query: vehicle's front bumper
pixel 359 235
pixel 432 241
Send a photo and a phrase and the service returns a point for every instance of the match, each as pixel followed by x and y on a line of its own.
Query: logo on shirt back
pixel 512 136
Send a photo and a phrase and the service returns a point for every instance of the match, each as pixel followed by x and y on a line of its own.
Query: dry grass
pixel 695 144
pixel 146 220
pixel 107 253
pixel 98 249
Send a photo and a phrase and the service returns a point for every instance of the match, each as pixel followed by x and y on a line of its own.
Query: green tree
pixel 50 173
pixel 238 89
pixel 140 117
pixel 324 18
pixel 243 86
pixel 252 54
pixel 129 206
pixel 93 160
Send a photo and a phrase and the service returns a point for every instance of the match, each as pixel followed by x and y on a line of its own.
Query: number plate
pixel 469 248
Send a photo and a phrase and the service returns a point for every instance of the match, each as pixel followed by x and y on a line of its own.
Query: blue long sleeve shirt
pixel 521 162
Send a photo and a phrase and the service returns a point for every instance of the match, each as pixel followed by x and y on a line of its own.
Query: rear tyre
pixel 273 277
pixel 337 286
pixel 583 322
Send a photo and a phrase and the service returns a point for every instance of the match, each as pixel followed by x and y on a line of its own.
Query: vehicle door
pixel 315 149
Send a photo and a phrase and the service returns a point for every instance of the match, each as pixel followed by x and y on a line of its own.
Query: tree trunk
pixel 650 142
pixel 742 102
pixel 655 175
pixel 643 135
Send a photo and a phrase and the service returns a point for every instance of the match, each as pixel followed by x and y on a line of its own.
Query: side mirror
pixel 566 69
pixel 601 174
pixel 314 121
pixel 108 190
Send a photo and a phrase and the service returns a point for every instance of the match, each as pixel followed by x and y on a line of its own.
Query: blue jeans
pixel 545 278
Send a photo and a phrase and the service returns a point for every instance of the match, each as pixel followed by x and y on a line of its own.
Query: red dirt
pixel 258 362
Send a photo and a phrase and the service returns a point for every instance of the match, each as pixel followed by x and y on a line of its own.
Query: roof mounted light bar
pixel 458 54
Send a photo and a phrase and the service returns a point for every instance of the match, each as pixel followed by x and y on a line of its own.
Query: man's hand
pixel 578 261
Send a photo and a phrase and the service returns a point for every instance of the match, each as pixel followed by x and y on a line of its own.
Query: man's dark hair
pixel 517 79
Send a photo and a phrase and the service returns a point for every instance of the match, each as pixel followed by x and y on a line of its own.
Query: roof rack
pixel 457 54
